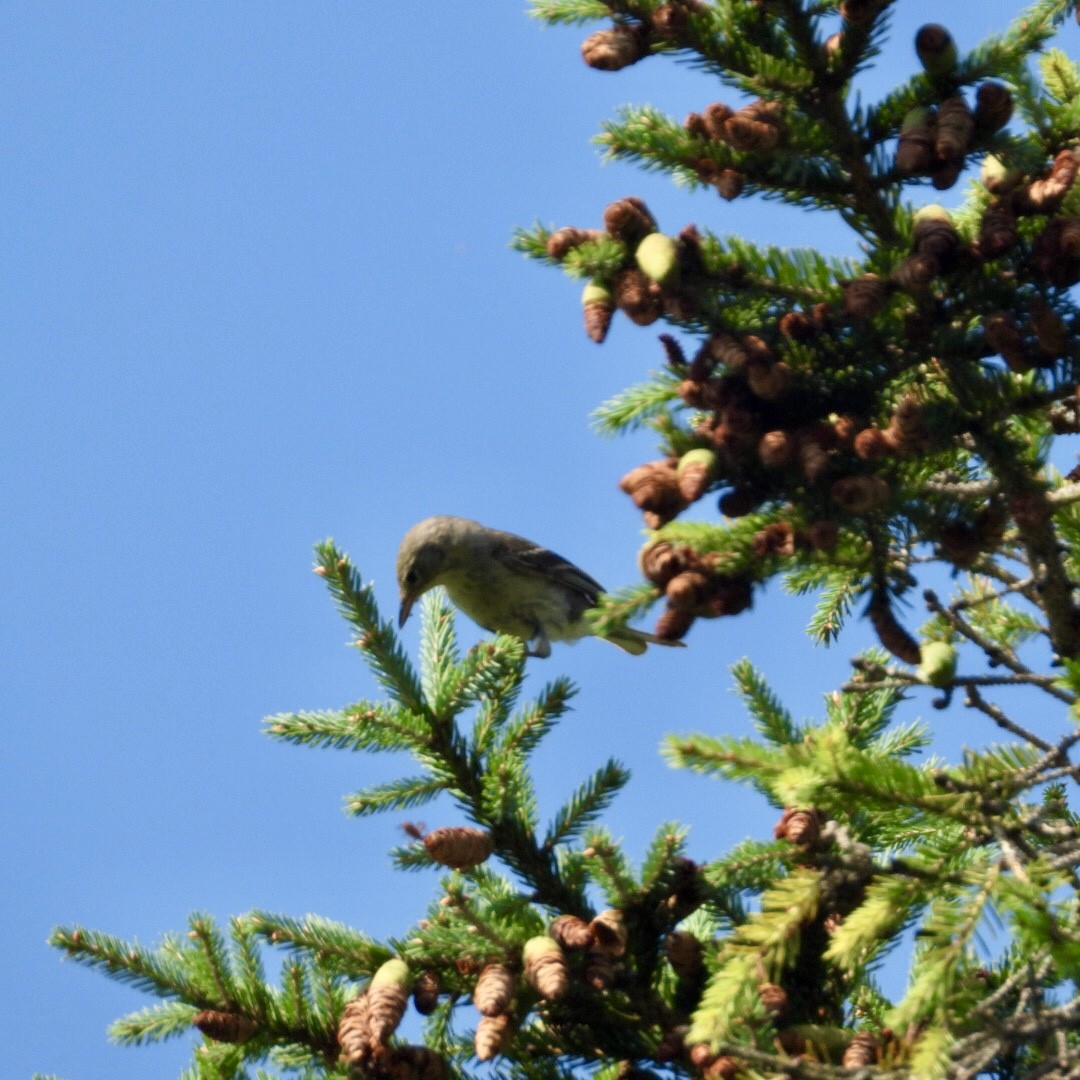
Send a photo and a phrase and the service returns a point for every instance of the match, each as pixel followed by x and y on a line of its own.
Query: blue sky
pixel 258 291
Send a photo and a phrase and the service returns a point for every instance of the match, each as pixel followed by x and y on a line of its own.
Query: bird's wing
pixel 530 557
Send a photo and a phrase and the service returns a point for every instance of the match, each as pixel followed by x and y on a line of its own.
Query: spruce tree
pixel 865 423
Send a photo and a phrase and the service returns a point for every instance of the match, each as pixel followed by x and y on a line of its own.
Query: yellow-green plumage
pixel 507 584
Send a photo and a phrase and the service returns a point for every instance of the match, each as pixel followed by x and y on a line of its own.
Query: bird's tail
pixel 637 641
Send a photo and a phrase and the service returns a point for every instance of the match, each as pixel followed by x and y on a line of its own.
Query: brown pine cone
pixel 571 933
pixel 993 106
pixel 636 296
pixel 616 47
pixel 865 297
pixel 629 219
pixel 998 231
pixel 425 992
pixel 460 847
pixel 860 494
pixel 493 1035
pixel 494 990
pixel 673 624
pixel 545 967
pixel 955 127
pixel 226 1027
pixel 915 145
pixel 890 633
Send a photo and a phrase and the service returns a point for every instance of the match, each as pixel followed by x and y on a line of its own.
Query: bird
pixel 506 584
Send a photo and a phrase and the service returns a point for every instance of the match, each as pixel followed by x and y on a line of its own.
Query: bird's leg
pixel 538 645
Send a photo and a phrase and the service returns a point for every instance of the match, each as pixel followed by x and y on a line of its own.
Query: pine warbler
pixel 507 584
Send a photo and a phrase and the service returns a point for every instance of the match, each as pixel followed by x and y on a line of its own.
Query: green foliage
pixel 636 405
pixel 870 418
pixel 920 348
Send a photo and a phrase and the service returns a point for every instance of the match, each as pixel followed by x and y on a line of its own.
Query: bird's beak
pixel 403 612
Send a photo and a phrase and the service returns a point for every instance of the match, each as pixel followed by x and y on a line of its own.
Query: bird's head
pixel 421 559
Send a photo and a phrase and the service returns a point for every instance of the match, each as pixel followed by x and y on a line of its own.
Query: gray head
pixel 421 559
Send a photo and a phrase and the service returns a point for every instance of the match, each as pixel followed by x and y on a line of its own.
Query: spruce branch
pixel 375 636
pixel 586 804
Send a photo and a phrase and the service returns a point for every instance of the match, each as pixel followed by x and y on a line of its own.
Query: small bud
pixel 694 124
pixel 907 430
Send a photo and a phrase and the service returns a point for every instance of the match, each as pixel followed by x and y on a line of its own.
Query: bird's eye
pixel 411 577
